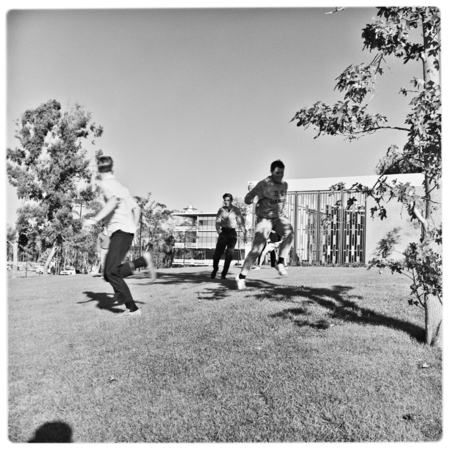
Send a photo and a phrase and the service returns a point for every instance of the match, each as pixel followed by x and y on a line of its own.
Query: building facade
pixel 196 238
pixel 327 231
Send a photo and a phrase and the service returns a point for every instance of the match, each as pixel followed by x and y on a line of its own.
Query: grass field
pixel 325 355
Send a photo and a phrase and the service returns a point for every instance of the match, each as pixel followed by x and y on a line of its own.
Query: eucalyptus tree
pixel 50 167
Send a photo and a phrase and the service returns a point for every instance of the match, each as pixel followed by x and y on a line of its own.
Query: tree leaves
pixel 49 164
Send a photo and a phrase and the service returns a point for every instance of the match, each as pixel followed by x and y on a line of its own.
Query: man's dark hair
pixel 277 163
pixel 105 164
pixel 228 195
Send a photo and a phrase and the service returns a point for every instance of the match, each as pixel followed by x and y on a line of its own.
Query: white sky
pixel 196 102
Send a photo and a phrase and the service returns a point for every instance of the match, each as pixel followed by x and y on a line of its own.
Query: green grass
pixel 326 355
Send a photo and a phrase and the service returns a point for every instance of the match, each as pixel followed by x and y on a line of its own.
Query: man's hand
pixel 89 223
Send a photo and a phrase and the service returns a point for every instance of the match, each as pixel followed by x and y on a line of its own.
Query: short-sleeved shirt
pixel 122 217
pixel 229 217
pixel 272 197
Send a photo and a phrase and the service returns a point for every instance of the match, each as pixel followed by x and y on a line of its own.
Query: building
pixel 196 238
pixel 328 232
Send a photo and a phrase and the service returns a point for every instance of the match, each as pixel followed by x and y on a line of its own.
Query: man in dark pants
pixel 228 217
pixel 121 216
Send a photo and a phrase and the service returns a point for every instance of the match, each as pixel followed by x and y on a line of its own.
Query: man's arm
pixel 136 214
pixel 257 191
pixel 98 244
pixel 218 221
pixel 107 209
pixel 285 201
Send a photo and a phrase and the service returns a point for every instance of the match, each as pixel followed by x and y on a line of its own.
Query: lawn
pixel 325 355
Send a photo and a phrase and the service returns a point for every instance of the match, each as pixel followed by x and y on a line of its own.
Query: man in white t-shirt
pixel 121 216
pixel 271 195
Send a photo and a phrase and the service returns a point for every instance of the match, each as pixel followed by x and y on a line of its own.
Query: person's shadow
pixel 52 432
pixel 104 301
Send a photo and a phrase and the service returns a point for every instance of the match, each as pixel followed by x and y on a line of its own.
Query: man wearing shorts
pixel 271 196
pixel 121 216
pixel 227 219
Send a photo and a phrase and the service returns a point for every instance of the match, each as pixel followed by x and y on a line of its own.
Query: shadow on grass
pixel 104 301
pixel 181 278
pixel 340 307
pixel 52 432
pixel 337 300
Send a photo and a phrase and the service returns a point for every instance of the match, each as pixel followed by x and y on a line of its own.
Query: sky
pixel 196 102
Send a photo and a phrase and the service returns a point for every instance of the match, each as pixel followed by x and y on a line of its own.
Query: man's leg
pixel 118 247
pixel 273 258
pixel 284 228
pixel 146 261
pixel 231 241
pixel 261 234
pixel 103 253
pixel 219 250
pixel 262 256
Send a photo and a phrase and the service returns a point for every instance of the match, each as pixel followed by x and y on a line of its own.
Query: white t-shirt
pixel 229 218
pixel 272 197
pixel 122 217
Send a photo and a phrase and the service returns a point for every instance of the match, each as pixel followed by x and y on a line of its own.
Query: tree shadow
pixel 337 300
pixel 214 294
pixel 340 306
pixel 52 432
pixel 196 277
pixel 104 301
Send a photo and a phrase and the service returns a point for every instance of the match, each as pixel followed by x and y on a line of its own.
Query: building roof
pixel 195 214
pixel 323 184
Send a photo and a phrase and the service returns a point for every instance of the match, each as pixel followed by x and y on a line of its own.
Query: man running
pixel 228 217
pixel 121 216
pixel 271 196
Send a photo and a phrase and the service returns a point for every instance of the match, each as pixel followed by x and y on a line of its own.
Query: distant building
pixel 326 231
pixel 196 238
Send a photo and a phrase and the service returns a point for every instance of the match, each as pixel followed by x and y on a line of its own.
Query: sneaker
pixel 281 269
pixel 223 277
pixel 214 273
pixel 150 269
pixel 127 312
pixel 257 268
pixel 241 283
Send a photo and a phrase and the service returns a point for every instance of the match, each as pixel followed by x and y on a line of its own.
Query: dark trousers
pixel 114 271
pixel 226 240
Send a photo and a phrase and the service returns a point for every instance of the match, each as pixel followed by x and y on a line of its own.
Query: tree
pixel 247 214
pixel 392 34
pixel 30 223
pixel 156 229
pixel 50 168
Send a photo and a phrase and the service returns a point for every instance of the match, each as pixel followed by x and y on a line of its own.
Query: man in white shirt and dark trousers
pixel 227 219
pixel 121 216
